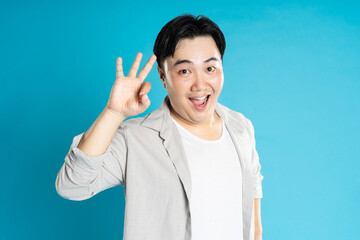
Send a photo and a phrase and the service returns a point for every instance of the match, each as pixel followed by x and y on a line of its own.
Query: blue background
pixel 293 69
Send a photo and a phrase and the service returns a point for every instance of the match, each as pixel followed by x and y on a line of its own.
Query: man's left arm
pixel 257 213
pixel 257 185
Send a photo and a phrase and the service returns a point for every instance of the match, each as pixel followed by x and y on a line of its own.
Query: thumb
pixel 145 88
pixel 145 101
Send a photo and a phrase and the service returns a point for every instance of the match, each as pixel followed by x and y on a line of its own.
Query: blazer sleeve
pixel 82 176
pixel 256 167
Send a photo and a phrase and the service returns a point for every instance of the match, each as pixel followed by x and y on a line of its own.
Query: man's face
pixel 193 73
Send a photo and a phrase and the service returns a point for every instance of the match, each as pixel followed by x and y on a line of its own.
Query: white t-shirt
pixel 216 195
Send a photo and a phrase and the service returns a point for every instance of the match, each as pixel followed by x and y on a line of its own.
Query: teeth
pixel 200 98
pixel 204 103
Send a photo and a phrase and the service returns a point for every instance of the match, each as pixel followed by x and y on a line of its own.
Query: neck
pixel 210 123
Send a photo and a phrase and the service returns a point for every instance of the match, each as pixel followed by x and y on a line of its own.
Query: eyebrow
pixel 178 62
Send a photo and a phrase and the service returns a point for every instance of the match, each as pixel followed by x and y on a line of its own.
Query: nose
pixel 199 83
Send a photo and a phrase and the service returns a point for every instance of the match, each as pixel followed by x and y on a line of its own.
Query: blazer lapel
pixel 236 131
pixel 160 120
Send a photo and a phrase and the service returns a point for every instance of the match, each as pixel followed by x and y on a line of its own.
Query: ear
pixel 161 75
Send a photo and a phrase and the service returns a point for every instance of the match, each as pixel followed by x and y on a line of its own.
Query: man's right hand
pixel 128 95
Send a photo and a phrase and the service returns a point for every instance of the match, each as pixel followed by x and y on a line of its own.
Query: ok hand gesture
pixel 128 95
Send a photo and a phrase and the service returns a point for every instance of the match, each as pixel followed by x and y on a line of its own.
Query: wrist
pixel 117 116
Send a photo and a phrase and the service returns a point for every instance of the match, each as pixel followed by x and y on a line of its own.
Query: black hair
pixel 186 26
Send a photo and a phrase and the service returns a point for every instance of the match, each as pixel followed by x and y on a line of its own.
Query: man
pixel 190 169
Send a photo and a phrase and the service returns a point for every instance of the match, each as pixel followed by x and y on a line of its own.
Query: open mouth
pixel 201 102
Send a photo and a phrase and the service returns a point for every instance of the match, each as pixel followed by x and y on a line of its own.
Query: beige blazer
pixel 146 156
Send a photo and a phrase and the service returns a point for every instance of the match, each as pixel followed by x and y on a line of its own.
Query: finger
pixel 119 68
pixel 146 69
pixel 145 88
pixel 134 68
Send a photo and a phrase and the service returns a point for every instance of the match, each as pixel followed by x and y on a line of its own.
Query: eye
pixel 183 71
pixel 211 69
